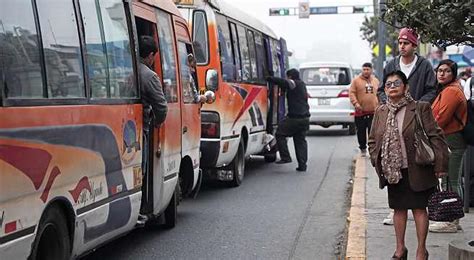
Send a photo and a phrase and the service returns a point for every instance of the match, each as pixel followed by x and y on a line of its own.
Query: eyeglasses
pixel 395 84
pixel 446 71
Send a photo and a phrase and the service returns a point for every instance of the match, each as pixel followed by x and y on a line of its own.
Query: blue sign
pixel 323 10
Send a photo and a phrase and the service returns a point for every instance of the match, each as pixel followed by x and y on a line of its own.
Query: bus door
pixel 273 91
pixel 191 116
pixel 168 150
pixel 145 21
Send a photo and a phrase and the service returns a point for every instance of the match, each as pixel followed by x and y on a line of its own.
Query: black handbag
pixel 445 206
pixel 424 154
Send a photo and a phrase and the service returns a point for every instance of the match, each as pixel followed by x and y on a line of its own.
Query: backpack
pixel 468 131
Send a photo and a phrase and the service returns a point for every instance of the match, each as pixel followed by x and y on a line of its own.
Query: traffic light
pixel 279 11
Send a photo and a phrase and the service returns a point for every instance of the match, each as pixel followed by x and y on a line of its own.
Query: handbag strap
pixel 418 118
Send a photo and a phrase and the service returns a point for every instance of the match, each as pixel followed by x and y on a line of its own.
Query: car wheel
pixel 52 238
pixel 352 129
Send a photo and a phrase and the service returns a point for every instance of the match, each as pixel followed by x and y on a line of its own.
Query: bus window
pixel 188 81
pixel 236 52
pixel 244 52
pixel 225 49
pixel 252 55
pixel 276 58
pixel 168 56
pixel 201 43
pixel 61 49
pixel 20 70
pixel 109 58
pixel 262 67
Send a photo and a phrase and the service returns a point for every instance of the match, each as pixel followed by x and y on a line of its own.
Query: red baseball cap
pixel 409 34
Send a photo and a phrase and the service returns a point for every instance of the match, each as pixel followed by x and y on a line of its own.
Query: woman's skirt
pixel 401 196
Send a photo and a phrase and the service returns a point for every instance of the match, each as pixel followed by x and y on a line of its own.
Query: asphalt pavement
pixel 277 212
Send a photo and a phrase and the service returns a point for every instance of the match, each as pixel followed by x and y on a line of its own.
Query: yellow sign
pixel 375 50
pixel 184 2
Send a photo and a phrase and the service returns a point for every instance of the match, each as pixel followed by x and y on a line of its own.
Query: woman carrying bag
pixel 392 153
pixel 450 112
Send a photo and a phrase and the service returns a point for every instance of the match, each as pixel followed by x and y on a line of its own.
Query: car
pixel 328 85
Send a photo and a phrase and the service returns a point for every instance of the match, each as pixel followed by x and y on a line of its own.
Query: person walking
pixel 418 70
pixel 363 96
pixel 450 112
pixel 392 153
pixel 296 122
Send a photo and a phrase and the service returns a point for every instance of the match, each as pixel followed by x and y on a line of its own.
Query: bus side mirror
pixel 212 80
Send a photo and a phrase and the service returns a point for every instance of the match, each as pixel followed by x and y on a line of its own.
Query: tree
pixel 439 22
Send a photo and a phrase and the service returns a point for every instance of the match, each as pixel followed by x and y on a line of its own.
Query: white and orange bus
pixel 71 124
pixel 235 52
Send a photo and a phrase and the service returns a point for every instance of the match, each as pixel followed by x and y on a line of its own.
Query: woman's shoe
pixel 404 256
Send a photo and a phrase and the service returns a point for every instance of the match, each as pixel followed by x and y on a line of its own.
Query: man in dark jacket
pixel 296 122
pixel 151 89
pixel 419 71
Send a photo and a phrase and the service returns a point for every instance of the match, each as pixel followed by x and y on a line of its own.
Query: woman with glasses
pixel 450 112
pixel 392 153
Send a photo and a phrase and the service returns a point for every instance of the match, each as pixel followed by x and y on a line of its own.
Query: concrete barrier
pixel 461 250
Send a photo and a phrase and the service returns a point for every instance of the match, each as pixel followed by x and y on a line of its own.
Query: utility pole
pixel 380 39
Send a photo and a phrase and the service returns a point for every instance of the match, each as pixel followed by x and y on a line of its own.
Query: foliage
pixel 440 22
pixel 369 33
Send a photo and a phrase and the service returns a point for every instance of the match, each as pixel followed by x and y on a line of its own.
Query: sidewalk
pixel 378 240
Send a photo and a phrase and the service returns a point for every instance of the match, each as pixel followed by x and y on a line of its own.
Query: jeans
pixel 363 124
pixel 296 128
pixel 457 146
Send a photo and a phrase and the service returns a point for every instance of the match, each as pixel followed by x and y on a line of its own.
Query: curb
pixel 356 238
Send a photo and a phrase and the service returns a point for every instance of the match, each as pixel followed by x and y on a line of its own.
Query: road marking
pixel 356 240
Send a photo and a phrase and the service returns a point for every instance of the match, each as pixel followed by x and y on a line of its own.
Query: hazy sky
pixel 333 37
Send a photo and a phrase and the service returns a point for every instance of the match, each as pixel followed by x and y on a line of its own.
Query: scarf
pixel 392 158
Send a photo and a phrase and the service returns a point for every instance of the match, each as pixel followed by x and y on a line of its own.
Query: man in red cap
pixel 419 71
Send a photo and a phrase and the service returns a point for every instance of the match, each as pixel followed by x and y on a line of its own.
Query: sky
pixel 333 37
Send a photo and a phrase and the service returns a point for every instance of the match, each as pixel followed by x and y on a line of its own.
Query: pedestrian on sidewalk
pixel 418 70
pixel 363 96
pixel 391 146
pixel 450 112
pixel 296 122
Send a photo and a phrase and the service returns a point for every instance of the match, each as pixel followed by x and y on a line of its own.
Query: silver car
pixel 328 90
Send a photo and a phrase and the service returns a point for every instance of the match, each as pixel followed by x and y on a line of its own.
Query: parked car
pixel 328 90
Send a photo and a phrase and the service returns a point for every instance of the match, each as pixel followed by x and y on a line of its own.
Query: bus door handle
pixel 185 129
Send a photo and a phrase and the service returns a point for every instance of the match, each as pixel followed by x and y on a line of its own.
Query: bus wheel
pixel 171 212
pixel 238 166
pixel 52 238
pixel 271 157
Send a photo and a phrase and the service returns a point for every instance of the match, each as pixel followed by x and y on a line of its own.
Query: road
pixel 277 212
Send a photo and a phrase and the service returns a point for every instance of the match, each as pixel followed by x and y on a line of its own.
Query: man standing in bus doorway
pixel 154 103
pixel 296 122
pixel 419 71
pixel 363 96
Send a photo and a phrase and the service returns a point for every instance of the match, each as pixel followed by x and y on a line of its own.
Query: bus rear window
pixel 200 39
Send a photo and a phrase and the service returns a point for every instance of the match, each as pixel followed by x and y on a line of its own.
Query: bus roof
pixel 166 5
pixel 231 11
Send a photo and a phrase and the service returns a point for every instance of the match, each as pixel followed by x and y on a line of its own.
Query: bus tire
pixel 52 238
pixel 171 212
pixel 238 166
pixel 271 157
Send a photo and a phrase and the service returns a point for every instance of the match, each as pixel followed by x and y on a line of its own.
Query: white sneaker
pixel 388 219
pixel 443 227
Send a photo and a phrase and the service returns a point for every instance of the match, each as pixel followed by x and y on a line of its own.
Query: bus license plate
pixel 324 101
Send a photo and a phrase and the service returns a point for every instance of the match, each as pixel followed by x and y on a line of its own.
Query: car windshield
pixel 326 76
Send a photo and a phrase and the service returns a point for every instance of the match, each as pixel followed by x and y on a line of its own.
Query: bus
pixel 71 124
pixel 235 52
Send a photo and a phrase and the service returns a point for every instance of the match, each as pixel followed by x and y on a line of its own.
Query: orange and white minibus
pixel 235 52
pixel 71 124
